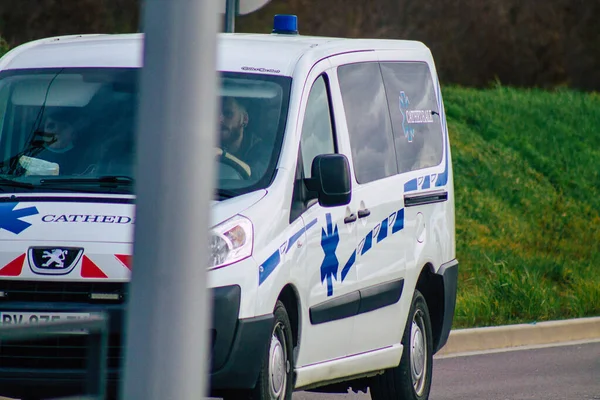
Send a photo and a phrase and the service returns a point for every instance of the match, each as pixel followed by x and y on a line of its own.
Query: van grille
pixel 54 291
pixel 68 352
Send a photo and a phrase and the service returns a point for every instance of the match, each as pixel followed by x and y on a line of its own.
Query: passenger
pixel 59 134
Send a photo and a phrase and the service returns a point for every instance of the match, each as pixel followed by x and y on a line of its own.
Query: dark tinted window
pixel 415 115
pixel 368 119
pixel 317 132
pixel 317 138
pixel 60 125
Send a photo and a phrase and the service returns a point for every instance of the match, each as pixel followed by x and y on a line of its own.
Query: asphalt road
pixel 553 373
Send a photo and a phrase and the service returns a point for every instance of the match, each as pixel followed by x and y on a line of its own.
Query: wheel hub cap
pixel 418 352
pixel 277 367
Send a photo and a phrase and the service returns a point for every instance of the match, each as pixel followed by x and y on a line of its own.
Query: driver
pixel 237 143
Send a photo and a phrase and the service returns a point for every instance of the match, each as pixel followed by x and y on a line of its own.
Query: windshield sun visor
pixel 54 91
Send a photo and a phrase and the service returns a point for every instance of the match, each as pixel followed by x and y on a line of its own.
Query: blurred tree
pixel 544 43
pixel 517 42
pixel 582 43
pixel 25 20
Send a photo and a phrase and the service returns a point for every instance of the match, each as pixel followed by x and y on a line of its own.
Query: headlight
pixel 231 241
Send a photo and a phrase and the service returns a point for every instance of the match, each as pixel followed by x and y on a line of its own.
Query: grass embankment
pixel 527 182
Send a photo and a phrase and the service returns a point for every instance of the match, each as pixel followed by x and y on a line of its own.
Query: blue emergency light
pixel 285 24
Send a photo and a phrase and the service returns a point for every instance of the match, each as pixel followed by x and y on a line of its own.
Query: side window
pixel 317 131
pixel 368 118
pixel 317 138
pixel 415 115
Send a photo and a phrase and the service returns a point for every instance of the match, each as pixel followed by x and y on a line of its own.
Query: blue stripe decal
pixel 411 185
pixel 311 224
pixel 275 259
pixel 383 231
pixel 348 265
pixel 294 239
pixel 268 266
pixel 299 234
pixel 399 223
pixel 426 182
pixel 329 242
pixel 442 178
pixel 368 243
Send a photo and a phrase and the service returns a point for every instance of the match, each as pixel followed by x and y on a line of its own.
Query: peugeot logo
pixel 53 260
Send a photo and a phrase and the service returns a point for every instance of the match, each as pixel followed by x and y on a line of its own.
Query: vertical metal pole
pixel 97 356
pixel 166 353
pixel 230 13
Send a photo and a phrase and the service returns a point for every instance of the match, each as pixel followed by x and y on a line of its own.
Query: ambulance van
pixel 332 240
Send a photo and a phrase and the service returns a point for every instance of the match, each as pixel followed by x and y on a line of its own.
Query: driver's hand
pixel 242 164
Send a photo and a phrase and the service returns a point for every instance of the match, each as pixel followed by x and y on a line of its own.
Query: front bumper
pixel 57 367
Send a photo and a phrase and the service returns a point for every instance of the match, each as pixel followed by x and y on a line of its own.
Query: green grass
pixel 527 182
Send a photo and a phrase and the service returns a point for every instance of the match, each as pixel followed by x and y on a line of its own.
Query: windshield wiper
pixel 11 183
pixel 109 179
pixel 120 181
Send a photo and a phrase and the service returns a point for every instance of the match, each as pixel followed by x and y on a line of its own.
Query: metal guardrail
pixel 95 327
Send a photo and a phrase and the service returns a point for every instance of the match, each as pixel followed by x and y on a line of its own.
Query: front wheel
pixel 275 381
pixel 411 380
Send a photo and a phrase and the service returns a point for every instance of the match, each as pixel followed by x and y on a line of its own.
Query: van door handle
pixel 350 218
pixel 364 213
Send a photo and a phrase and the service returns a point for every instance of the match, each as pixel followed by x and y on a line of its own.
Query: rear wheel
pixel 411 380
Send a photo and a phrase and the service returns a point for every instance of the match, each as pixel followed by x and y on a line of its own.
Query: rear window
pixel 415 114
pixel 368 118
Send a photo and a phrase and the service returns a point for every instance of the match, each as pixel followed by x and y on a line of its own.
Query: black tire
pixel 281 335
pixel 401 383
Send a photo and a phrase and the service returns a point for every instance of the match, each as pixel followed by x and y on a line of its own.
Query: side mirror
pixel 331 179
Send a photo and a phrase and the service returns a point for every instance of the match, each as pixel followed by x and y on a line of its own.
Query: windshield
pixel 74 130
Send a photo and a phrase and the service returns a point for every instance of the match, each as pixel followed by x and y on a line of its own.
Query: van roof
pixel 261 53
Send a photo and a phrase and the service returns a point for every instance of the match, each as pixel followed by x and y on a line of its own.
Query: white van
pixel 333 241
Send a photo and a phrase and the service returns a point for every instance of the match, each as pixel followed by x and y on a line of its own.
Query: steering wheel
pixel 241 167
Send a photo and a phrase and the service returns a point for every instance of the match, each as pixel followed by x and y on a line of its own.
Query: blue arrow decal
pixel 329 242
pixel 10 219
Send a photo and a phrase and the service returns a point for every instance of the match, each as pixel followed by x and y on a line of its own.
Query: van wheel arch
pixel 291 300
pixel 431 286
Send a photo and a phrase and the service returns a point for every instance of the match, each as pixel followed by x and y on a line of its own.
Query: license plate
pixel 29 318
